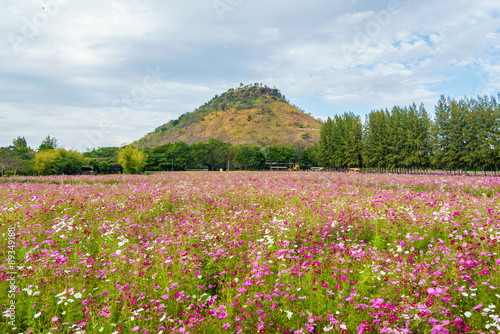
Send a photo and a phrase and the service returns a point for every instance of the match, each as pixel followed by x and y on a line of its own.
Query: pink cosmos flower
pixel 476 308
pixel 105 312
pixel 435 292
pixel 222 315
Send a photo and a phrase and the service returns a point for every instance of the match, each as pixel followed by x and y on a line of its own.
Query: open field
pixel 250 252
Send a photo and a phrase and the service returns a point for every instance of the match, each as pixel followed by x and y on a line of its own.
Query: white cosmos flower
pixel 37 315
pixel 467 314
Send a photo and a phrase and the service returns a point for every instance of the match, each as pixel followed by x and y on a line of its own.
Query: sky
pixel 95 73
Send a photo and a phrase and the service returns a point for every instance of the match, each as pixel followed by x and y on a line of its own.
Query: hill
pixel 256 115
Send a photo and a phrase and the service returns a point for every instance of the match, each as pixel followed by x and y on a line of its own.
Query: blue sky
pixel 104 73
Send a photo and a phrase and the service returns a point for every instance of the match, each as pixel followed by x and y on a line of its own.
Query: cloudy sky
pixel 99 73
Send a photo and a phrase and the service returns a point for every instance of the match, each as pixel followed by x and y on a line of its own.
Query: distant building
pixel 87 170
pixel 115 169
pixel 197 168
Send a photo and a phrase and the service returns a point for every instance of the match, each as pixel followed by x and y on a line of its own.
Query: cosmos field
pixel 250 252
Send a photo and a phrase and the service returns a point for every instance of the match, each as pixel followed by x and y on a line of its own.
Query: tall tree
pixel 341 141
pixel 19 142
pixel 180 155
pixel 199 154
pixel 248 157
pixel 326 146
pixel 353 141
pixel 376 139
pixel 49 143
pixel 7 162
pixel 218 153
pixel 59 161
pixel 132 160
pixel 283 154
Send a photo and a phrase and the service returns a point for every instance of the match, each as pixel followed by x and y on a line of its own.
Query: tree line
pixel 463 135
pixel 216 154
pixel 50 159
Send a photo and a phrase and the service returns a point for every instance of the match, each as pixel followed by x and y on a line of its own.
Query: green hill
pixel 253 115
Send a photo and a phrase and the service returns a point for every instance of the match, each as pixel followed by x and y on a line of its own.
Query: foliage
pixel 399 138
pixel 248 157
pixel 341 141
pixel 465 135
pixel 311 156
pixel 58 161
pixel 17 158
pixel 219 153
pixel 49 143
pixel 213 153
pixel 104 167
pixel 109 154
pixel 19 142
pixel 132 160
pixel 283 154
pixel 7 163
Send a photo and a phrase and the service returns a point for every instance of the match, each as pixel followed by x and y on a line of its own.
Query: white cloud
pixel 354 18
